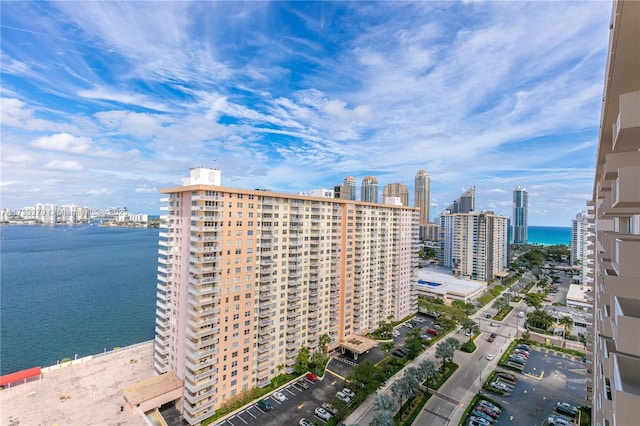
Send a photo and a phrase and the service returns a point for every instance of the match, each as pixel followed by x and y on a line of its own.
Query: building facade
pixel 247 277
pixel 580 250
pixel 465 203
pixel 474 244
pixel 520 207
pixel 422 187
pixel 369 190
pixel 613 354
pixel 399 190
pixel 350 183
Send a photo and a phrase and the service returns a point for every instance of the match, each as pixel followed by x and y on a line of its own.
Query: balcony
pixel 626 129
pixel 625 386
pixel 625 323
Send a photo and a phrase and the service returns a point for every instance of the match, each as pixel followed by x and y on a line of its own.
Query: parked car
pixel 322 413
pixel 480 421
pixel 433 332
pixel 343 397
pixel 488 316
pixel 485 403
pixel 305 422
pixel 523 346
pixel 398 354
pixel 348 392
pixel 330 408
pixel 474 423
pixel 405 351
pixel 500 386
pixel 264 405
pixel 566 409
pixel 426 337
pixel 487 411
pixel 521 352
pixel 507 377
pixel 408 325
pixel 302 384
pixel 554 419
pixel 310 376
pixel 516 360
pixel 518 356
pixel 482 415
pixel 279 396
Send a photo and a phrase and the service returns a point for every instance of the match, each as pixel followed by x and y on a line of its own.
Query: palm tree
pixel 471 326
pixel 382 418
pixel 428 371
pixel 534 300
pixel 384 402
pixel 387 347
pixel 500 303
pixel 444 351
pixel 454 343
pixel 567 322
pixel 540 319
pixel 324 344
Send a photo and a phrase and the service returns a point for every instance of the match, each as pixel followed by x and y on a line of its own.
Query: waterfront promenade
pixel 86 391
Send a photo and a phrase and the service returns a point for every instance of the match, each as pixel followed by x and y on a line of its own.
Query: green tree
pixel 367 377
pixel 387 347
pixel 384 402
pixel 534 300
pixel 324 344
pixel 382 418
pixel 405 388
pixel 471 326
pixel 317 361
pixel 428 372
pixel 540 319
pixel 567 323
pixel 444 351
pixel 301 365
pixel 386 328
pixel 454 343
pixel 500 303
pixel 413 343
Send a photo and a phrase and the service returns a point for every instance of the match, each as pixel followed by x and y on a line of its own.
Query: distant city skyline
pixel 104 103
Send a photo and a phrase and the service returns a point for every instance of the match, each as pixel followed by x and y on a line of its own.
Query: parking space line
pixel 243 420
pixel 279 403
pixel 229 420
pixel 257 408
pixel 287 389
pixel 249 412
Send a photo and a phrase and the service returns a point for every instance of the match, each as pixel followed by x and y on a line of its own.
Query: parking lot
pixel 548 378
pixel 300 403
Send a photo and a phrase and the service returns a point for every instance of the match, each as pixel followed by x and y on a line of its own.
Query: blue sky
pixel 105 103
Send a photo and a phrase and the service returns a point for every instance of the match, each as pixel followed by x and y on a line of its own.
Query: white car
pixel 559 420
pixel 279 396
pixel 500 386
pixel 490 356
pixel 348 392
pixel 341 396
pixel 322 413
pixel 489 405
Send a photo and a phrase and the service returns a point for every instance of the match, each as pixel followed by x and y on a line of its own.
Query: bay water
pixel 68 291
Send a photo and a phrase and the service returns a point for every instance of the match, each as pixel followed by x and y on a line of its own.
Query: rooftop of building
pixel 442 281
pixel 86 391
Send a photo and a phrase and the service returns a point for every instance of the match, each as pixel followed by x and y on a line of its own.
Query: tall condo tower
pixel 466 203
pixel 474 244
pixel 613 349
pixel 422 195
pixel 520 207
pixel 581 231
pixel 369 190
pixel 350 182
pixel 399 190
pixel 246 278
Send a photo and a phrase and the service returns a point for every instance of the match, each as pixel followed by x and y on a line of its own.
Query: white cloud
pixel 145 190
pixel 63 165
pixel 63 142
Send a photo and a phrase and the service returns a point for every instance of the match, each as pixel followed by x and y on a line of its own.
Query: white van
pixel 521 314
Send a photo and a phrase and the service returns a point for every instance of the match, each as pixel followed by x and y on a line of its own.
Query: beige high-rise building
pixel 247 277
pixel 422 195
pixel 614 347
pixel 475 244
pixel 399 190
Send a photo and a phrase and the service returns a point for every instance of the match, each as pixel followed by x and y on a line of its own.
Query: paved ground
pixel 562 379
pixel 88 391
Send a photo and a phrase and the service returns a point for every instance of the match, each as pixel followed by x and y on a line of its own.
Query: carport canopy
pixel 358 345
pixel 154 392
